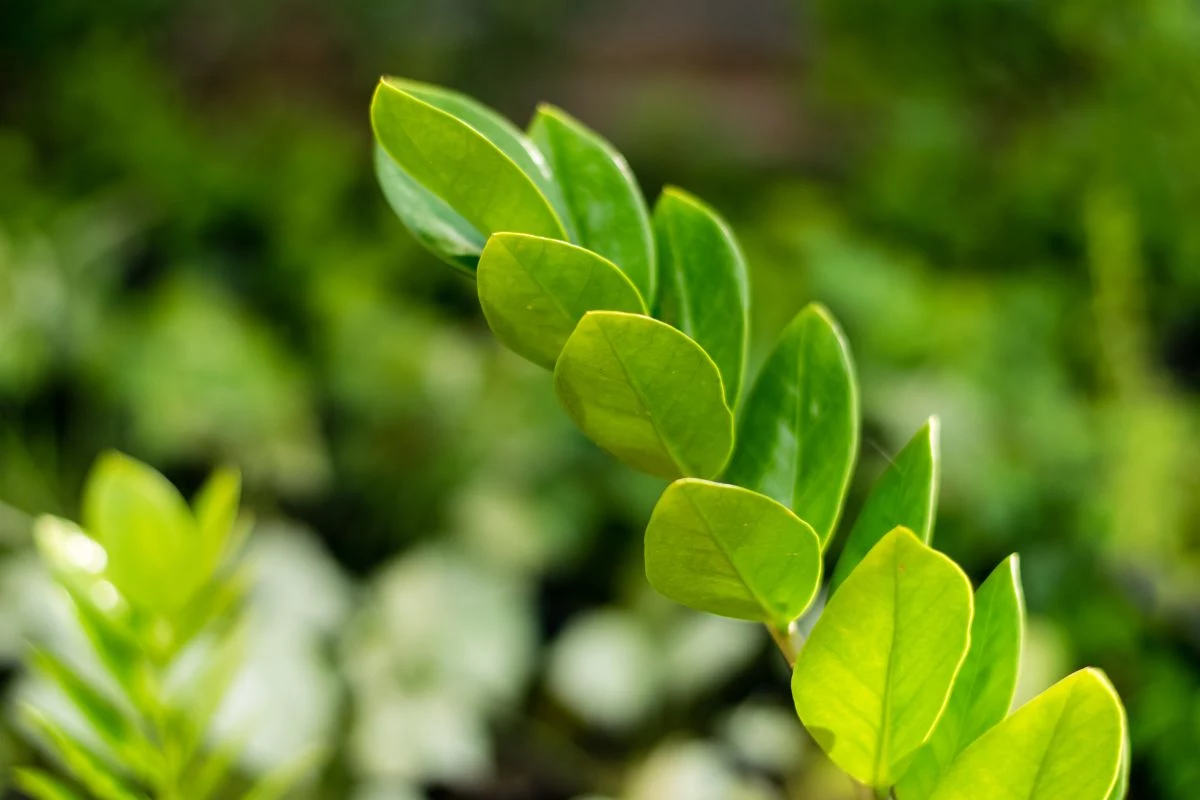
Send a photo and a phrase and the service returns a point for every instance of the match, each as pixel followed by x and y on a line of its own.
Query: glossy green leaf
pixel 601 194
pixel 1065 744
pixel 438 227
pixel 500 132
pixel 39 785
pixel 730 551
pixel 534 291
pixel 148 530
pixel 1121 787
pixel 798 436
pixel 983 692
pixel 703 287
pixel 646 393
pixel 875 674
pixel 481 178
pixel 905 495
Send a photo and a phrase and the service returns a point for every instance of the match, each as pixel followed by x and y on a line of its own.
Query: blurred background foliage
pixel 996 197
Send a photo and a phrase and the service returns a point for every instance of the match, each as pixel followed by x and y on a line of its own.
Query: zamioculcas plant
pixel 156 593
pixel 907 677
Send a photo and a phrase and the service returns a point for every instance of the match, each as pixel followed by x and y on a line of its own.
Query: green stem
pixel 783 640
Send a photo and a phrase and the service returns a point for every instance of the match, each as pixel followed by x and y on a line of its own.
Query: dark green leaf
pixel 798 435
pixel 702 282
pixel 601 195
pixel 730 551
pixel 647 394
pixel 534 291
pixel 905 495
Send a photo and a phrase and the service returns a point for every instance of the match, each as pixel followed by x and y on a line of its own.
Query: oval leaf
pixel 703 284
pixel 435 225
pixel 730 551
pixel 1065 744
pixel 146 528
pixel 601 195
pixel 459 163
pixel 534 291
pixel 798 436
pixel 874 675
pixel 646 393
pixel 983 691
pixel 905 495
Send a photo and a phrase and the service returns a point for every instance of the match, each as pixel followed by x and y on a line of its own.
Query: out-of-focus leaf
pixel 456 161
pixel 204 694
pixel 39 785
pixel 279 782
pixel 1065 744
pixel 874 675
pixel 147 530
pixel 209 771
pixel 216 509
pixel 85 767
pixel 438 227
pixel 647 394
pixel 220 603
pixel 703 287
pixel 731 551
pixel 534 291
pixel 798 434
pixel 601 193
pixel 107 720
pixel 113 644
pixel 905 495
pixel 983 691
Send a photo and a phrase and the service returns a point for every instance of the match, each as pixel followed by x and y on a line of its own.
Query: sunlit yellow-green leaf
pixel 1065 744
pixel 490 177
pixel 730 551
pixel 534 291
pixel 875 674
pixel 983 691
pixel 646 393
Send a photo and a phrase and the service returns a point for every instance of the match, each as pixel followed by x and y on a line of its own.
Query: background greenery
pixel 997 198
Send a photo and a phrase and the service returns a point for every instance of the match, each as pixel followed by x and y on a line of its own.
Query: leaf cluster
pixel 908 675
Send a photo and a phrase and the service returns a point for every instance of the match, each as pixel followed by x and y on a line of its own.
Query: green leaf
pixel 147 530
pixel 798 436
pixel 730 551
pixel 435 225
pixel 601 194
pixel 85 767
pixel 496 185
pixel 39 785
pixel 703 285
pixel 1065 744
pixel 646 393
pixel 905 495
pixel 534 291
pixel 280 781
pixel 105 718
pixel 874 675
pixel 983 692
pixel 216 510
pixel 1121 787
pixel 114 645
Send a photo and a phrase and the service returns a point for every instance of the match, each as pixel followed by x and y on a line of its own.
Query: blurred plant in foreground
pixel 157 593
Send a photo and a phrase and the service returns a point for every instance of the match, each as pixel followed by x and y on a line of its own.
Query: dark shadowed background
pixel 998 198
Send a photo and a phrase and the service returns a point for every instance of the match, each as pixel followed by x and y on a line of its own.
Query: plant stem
pixel 783 640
